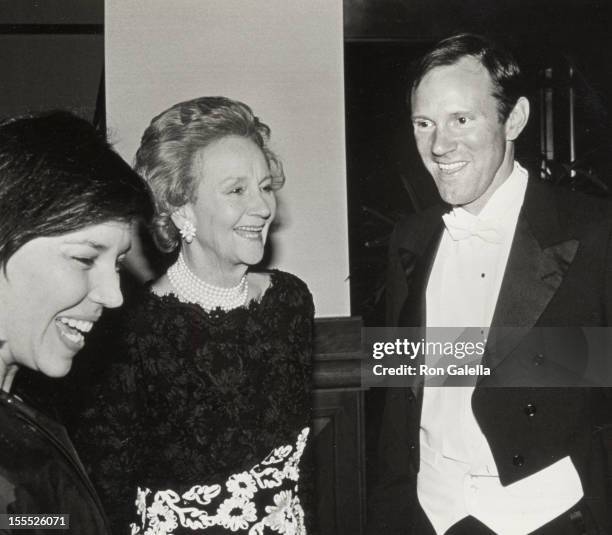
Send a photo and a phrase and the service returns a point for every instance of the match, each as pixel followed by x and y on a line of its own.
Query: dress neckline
pixel 171 299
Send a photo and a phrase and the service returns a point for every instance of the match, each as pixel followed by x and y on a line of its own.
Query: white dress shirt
pixel 457 475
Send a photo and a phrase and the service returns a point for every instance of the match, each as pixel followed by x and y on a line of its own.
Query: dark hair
pixel 58 175
pixel 165 158
pixel 508 84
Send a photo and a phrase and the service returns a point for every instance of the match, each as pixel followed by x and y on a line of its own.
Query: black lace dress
pixel 200 423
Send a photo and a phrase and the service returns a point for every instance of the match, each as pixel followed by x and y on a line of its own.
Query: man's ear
pixel 182 214
pixel 517 119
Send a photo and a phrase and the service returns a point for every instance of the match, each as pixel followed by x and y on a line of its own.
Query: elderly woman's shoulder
pixel 283 285
pixel 276 277
pixel 292 280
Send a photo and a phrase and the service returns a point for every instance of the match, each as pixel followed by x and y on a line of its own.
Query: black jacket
pixel 559 274
pixel 40 472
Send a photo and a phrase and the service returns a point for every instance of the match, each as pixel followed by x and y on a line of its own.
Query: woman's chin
pixel 57 366
pixel 252 257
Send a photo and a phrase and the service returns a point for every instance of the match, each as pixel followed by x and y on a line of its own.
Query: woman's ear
pixel 184 219
pixel 517 119
pixel 182 215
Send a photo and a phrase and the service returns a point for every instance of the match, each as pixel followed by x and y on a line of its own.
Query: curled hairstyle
pixel 58 175
pixel 166 157
pixel 508 83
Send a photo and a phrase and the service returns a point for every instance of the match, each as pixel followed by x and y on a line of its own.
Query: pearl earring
pixel 188 231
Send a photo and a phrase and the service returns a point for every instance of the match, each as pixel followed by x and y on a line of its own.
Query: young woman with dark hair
pixel 67 202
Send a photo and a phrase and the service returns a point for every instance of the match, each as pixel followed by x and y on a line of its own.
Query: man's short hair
pixel 508 84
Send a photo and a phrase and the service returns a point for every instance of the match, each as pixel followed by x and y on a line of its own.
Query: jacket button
pixel 412 446
pixel 538 360
pixel 518 460
pixel 530 409
pixel 411 397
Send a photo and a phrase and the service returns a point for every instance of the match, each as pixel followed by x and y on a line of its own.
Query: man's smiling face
pixel 459 134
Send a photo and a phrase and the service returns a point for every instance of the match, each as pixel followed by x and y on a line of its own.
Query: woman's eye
pixel 237 190
pixel 86 261
pixel 462 120
pixel 267 187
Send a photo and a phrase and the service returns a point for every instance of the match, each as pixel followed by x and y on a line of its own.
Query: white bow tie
pixel 461 226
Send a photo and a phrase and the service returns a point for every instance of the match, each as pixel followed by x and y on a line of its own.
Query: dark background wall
pixel 51 55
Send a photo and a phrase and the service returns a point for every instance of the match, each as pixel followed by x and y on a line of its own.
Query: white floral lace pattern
pixel 232 505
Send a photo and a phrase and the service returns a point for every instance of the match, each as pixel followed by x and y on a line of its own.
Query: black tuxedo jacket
pixel 559 274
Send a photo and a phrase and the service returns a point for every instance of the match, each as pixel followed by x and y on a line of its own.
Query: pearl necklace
pixel 191 289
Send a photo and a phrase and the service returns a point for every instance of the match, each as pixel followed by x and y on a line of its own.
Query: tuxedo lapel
pixel 417 252
pixel 417 255
pixel 540 256
pixel 417 267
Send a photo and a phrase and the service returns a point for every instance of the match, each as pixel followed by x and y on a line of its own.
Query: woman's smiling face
pixel 53 289
pixel 235 203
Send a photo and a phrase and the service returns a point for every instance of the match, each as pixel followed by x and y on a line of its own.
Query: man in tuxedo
pixel 506 252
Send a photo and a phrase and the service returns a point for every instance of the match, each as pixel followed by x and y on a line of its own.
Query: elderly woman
pixel 67 202
pixel 210 398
